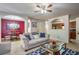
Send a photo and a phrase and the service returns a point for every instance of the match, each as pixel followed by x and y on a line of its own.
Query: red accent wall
pixel 6 31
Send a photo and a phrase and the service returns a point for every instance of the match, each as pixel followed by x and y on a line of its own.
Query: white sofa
pixel 28 44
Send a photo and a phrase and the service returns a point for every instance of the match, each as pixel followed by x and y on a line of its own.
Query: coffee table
pixel 55 50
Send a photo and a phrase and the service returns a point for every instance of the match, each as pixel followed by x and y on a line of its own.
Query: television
pixel 13 26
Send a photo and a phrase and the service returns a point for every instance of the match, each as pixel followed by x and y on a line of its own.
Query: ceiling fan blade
pixel 38 6
pixel 50 5
pixel 49 10
pixel 36 11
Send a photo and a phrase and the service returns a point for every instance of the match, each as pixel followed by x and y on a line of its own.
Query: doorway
pixel 72 30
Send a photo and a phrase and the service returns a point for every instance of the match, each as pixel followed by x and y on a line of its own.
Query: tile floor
pixel 16 48
pixel 73 45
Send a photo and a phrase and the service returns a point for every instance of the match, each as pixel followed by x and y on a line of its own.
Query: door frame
pixel 77 22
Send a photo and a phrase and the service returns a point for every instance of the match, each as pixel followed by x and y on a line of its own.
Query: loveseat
pixel 32 40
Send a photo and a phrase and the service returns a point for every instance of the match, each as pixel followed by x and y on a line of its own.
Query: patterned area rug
pixel 63 51
pixel 68 51
pixel 39 51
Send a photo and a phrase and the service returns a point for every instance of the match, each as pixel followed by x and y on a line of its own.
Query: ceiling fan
pixel 43 8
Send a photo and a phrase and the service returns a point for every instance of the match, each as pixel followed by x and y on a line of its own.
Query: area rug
pixel 63 51
pixel 68 51
pixel 39 51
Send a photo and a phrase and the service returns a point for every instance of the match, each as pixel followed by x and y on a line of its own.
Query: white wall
pixel 40 26
pixel 26 24
pixel 77 29
pixel 34 29
pixel 59 34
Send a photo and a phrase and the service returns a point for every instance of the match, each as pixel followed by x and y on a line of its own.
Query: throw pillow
pixel 31 36
pixel 36 36
pixel 28 36
pixel 35 33
pixel 42 35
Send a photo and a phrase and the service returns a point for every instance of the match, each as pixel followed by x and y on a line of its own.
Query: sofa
pixel 33 40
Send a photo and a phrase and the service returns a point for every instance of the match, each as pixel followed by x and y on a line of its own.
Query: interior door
pixel 77 28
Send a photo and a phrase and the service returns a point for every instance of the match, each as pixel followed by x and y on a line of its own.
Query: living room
pixel 39 29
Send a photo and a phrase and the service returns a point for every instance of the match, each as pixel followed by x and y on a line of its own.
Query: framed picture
pixel 34 24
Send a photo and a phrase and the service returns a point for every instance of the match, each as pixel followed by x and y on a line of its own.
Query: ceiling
pixel 27 10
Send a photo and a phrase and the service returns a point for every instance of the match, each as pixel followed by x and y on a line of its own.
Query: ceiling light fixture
pixel 43 8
